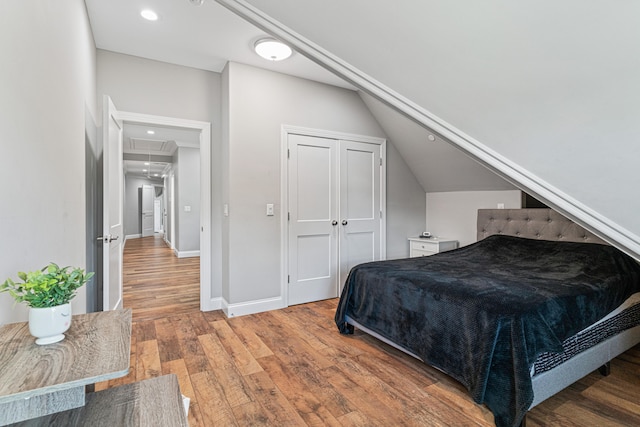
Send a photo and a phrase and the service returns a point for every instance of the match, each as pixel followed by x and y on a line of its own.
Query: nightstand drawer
pixel 413 253
pixel 424 247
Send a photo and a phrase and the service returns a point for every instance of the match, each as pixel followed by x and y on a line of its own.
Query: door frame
pixel 207 303
pixel 286 130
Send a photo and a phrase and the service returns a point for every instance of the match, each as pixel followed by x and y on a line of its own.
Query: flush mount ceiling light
pixel 150 132
pixel 272 49
pixel 196 2
pixel 149 15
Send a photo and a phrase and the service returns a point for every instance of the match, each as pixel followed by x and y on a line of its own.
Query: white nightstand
pixel 424 247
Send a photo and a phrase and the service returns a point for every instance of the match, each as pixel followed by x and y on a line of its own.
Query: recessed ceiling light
pixel 149 15
pixel 147 163
pixel 151 132
pixel 155 174
pixel 272 49
pixel 144 170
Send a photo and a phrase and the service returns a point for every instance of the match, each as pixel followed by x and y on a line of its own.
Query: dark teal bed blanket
pixel 484 312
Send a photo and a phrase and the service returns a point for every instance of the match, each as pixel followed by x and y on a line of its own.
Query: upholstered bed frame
pixel 546 224
pixel 543 224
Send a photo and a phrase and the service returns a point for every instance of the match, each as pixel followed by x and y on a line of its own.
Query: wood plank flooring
pixel 292 368
pixel 157 282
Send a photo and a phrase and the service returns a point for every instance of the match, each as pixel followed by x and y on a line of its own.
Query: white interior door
pixel 360 207
pixel 172 212
pixel 146 210
pixel 113 190
pixel 157 215
pixel 313 219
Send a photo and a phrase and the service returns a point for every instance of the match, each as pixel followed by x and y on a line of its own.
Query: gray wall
pixel 405 205
pixel 48 74
pixel 150 87
pixel 186 168
pixel 258 103
pixel 133 201
pixel 453 214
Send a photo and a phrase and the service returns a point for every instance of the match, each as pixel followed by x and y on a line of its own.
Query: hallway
pixel 156 283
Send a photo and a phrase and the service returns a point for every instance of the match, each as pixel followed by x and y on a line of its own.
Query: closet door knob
pixel 344 222
pixel 334 222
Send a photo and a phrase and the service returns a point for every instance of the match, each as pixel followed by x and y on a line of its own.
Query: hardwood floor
pixel 291 367
pixel 156 282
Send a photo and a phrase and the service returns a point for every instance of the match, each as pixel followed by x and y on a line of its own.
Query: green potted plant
pixel 48 293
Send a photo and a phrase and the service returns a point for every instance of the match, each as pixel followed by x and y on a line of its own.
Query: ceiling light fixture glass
pixel 149 15
pixel 272 49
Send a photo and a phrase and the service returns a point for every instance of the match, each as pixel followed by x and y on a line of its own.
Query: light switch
pixel 225 209
pixel 187 208
pixel 269 209
pixel 500 205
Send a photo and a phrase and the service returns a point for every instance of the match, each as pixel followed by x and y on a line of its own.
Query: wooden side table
pixel 154 402
pixel 45 385
pixel 39 380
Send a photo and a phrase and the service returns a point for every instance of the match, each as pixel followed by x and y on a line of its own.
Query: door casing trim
pixel 207 302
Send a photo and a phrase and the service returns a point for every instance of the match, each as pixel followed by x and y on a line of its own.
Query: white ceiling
pixel 207 36
pixel 203 37
pixel 163 142
pixel 437 165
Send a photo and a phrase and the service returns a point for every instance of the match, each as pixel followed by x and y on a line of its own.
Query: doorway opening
pixel 159 142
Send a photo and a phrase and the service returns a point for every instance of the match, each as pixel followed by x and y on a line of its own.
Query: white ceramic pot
pixel 49 324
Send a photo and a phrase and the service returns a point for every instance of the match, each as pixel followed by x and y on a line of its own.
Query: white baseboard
pixel 186 254
pixel 132 236
pixel 212 304
pixel 252 307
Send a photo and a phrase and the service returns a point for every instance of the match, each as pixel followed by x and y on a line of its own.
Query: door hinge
pixel 288 153
pixel 288 278
pixel 380 161
pixel 380 214
pixel 288 216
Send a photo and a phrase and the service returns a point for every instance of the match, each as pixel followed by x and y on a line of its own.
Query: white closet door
pixel 313 210
pixel 360 206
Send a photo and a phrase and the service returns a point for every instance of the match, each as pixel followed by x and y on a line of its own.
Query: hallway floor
pixel 156 283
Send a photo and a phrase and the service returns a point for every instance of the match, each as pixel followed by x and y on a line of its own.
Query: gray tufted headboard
pixel 545 224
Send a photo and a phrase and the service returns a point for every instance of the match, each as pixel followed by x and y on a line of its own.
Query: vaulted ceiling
pixel 209 35
pixel 546 93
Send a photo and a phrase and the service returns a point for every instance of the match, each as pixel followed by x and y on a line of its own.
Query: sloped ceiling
pixel 436 164
pixel 546 92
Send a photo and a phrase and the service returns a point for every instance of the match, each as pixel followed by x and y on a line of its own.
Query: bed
pixel 536 304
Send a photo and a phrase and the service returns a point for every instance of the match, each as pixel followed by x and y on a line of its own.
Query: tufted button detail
pixel 517 233
pixel 508 219
pixel 560 236
pixel 549 220
pixel 528 219
pixel 537 234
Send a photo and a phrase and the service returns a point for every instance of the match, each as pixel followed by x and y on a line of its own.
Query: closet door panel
pixel 313 243
pixel 359 205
